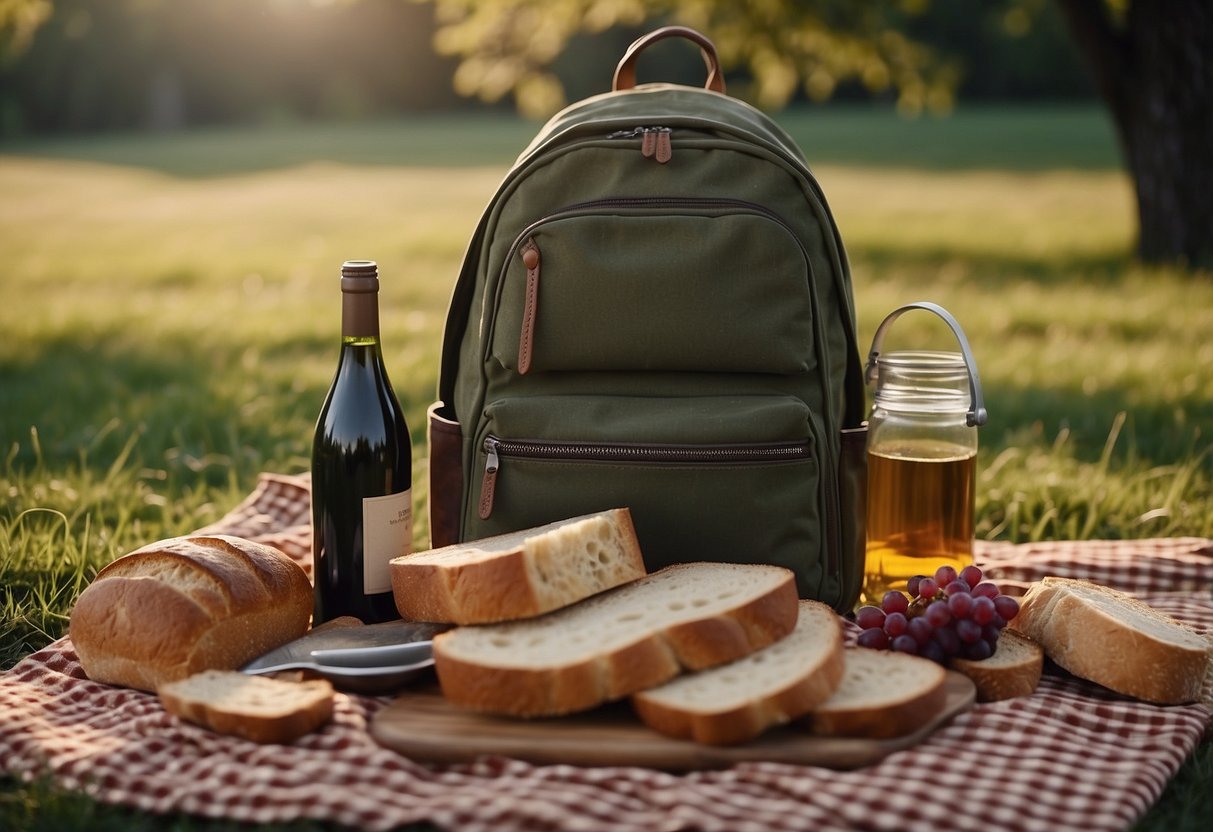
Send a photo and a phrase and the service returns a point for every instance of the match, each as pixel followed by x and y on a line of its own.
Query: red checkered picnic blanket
pixel 1071 756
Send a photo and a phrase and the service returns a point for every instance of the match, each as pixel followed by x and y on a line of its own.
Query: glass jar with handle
pixel 922 459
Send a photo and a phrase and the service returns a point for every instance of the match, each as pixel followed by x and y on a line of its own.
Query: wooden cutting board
pixel 423 726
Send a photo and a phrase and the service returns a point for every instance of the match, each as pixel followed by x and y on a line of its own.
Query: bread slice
pixel 1013 670
pixel 737 701
pixel 256 708
pixel 519 575
pixel 883 694
pixel 685 617
pixel 1115 640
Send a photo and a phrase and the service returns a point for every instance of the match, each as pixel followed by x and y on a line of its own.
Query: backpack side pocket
pixel 446 475
pixel 853 493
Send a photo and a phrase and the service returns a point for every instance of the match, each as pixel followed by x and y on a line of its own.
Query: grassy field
pixel 171 311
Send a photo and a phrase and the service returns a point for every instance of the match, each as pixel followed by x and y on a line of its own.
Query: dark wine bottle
pixel 362 513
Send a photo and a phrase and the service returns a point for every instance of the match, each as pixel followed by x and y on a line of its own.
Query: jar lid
pixel 975 411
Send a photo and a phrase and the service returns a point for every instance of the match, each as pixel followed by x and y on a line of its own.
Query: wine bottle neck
pixel 359 318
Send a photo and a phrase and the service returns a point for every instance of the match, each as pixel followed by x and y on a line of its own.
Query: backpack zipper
pixel 495 448
pixel 654 141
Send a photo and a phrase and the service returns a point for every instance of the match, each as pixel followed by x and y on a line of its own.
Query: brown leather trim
pixel 488 488
pixel 530 258
pixel 625 72
pixel 445 442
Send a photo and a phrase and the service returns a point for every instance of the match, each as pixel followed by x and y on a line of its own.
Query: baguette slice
pixel 688 616
pixel 883 694
pixel 256 708
pixel 736 702
pixel 1013 670
pixel 519 575
pixel 1113 639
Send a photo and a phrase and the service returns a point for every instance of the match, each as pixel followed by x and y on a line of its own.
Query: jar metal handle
pixel 977 410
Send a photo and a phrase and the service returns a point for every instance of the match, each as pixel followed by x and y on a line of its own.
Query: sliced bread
pixel 736 702
pixel 685 617
pixel 519 575
pixel 256 708
pixel 883 694
pixel 1013 670
pixel 1115 640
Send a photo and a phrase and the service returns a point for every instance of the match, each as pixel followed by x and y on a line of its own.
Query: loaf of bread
pixel 188 604
pixel 685 617
pixel 883 694
pixel 1013 670
pixel 1111 638
pixel 256 708
pixel 736 702
pixel 519 575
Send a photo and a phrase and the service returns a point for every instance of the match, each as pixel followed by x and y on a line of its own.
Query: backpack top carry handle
pixel 625 73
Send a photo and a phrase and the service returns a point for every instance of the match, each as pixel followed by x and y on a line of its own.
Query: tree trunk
pixel 1154 69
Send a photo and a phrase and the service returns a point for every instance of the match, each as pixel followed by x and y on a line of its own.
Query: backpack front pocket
pixel 728 479
pixel 628 284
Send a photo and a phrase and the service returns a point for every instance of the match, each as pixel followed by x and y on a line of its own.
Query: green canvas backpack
pixel 655 312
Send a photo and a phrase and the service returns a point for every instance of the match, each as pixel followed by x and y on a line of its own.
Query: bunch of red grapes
pixel 947 615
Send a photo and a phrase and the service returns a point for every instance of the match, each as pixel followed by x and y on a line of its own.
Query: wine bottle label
pixel 387 524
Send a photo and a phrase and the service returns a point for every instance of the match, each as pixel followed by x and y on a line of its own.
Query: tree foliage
pixel 19 19
pixel 785 47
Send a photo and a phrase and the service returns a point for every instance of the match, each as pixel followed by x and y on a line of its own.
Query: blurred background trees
pixel 76 65
pixel 73 65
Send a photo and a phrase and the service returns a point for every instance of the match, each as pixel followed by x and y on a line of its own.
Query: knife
pixel 358 657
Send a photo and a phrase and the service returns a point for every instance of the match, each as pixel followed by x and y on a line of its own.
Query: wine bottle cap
pixel 359 276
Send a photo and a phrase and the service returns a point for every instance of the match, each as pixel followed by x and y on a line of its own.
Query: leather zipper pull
pixel 663 149
pixel 648 142
pixel 488 485
pixel 526 341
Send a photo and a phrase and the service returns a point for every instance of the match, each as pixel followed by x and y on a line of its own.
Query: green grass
pixel 170 314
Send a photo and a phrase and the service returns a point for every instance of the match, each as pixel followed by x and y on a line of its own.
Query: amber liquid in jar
pixel 920 514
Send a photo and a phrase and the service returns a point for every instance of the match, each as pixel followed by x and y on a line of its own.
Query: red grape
pixel 948 641
pixel 983 610
pixel 945 574
pixel 961 605
pixel 971 575
pixel 868 617
pixel 931 650
pixel 875 639
pixel 968 631
pixel 912 585
pixel 927 588
pixel 955 587
pixel 938 615
pixel 905 644
pixel 978 650
pixel 921 630
pixel 895 623
pixel 985 589
pixel 894 601
pixel 1007 607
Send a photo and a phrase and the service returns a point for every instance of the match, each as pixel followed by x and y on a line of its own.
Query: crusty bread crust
pixel 719 723
pixel 518 575
pixel 235 704
pixel 1115 640
pixel 179 606
pixel 726 630
pixel 1013 670
pixel 904 710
